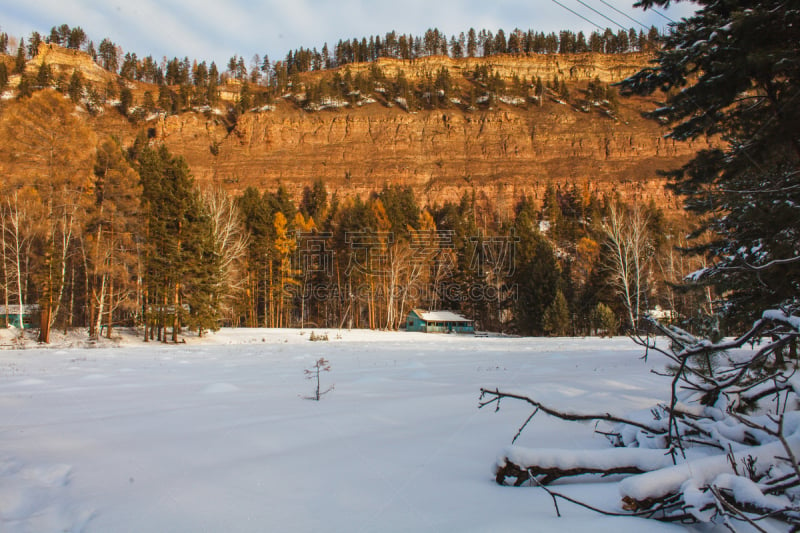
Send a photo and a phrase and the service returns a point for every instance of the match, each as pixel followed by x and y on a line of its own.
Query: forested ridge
pixel 180 83
pixel 113 235
pixel 123 236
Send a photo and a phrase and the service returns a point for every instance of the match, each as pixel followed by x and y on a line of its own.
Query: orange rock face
pixel 499 152
pixel 502 153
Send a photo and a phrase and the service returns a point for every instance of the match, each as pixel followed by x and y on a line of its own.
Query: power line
pixel 662 15
pixel 624 14
pixel 579 15
pixel 584 4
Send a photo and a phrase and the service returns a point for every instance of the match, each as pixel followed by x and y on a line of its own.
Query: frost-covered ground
pixel 215 435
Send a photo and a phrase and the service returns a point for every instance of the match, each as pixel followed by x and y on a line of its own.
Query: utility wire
pixel 579 15
pixel 584 4
pixel 624 14
pixel 661 15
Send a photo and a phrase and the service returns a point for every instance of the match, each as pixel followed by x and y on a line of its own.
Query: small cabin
pixel 10 316
pixel 438 322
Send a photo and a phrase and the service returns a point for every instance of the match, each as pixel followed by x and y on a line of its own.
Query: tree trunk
pixel 44 326
pixel 98 301
pixel 110 315
pixel 175 318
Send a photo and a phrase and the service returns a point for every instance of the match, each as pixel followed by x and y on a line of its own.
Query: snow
pixel 607 459
pixel 779 316
pixel 699 472
pixel 440 316
pixel 214 435
pixel 512 100
pixel 697 274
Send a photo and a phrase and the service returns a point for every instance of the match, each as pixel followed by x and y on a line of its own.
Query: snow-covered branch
pixel 724 448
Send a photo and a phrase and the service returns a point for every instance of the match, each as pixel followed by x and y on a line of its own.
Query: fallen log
pixel 548 465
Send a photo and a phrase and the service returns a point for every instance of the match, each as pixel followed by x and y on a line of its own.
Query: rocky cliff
pixel 66 60
pixel 608 68
pixel 501 153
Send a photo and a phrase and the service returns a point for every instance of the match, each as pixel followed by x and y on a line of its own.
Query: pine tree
pixel 536 275
pixel 19 63
pixel 33 44
pixel 75 89
pixel 200 290
pixel 112 232
pixel 472 43
pixel 731 71
pixel 170 207
pixel 314 203
pixel 257 223
pixel 108 55
pixel 556 317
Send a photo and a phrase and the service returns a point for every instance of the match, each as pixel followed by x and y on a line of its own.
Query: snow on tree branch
pixel 724 449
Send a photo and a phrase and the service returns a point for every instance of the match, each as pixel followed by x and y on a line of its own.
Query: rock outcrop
pixel 500 153
pixel 66 60
pixel 609 68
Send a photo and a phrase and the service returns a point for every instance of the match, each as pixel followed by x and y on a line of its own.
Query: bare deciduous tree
pixel 230 243
pixel 321 365
pixel 15 249
pixel 47 147
pixel 629 253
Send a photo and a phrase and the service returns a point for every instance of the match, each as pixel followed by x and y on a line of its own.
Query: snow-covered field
pixel 215 435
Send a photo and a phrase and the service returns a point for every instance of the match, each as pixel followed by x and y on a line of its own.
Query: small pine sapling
pixel 321 365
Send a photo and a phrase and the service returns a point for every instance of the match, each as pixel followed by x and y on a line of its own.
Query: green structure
pixel 438 322
pixel 10 316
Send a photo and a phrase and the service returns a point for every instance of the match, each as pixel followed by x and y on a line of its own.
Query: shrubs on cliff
pixel 196 83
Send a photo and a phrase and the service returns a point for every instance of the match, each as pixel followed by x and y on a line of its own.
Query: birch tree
pixel 48 146
pixel 629 254
pixel 230 245
pixel 16 239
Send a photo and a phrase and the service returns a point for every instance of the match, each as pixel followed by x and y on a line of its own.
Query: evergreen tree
pixel 33 44
pixel 604 321
pixel 19 63
pixel 556 317
pixel 76 38
pixel 111 234
pixel 314 203
pixel 75 89
pixel 257 222
pixel 472 43
pixel 45 76
pixel 536 275
pixel 200 289
pixel 731 71
pixel 3 76
pixel 171 263
pixel 125 100
pixel 108 55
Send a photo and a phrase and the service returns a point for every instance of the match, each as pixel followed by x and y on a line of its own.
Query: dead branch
pixel 708 408
pixel 546 475
pixel 496 395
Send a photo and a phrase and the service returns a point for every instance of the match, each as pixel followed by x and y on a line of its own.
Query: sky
pixel 215 31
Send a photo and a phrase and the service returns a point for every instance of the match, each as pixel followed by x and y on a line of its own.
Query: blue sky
pixel 214 31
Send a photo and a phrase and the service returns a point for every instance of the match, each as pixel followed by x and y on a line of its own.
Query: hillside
pixel 501 147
